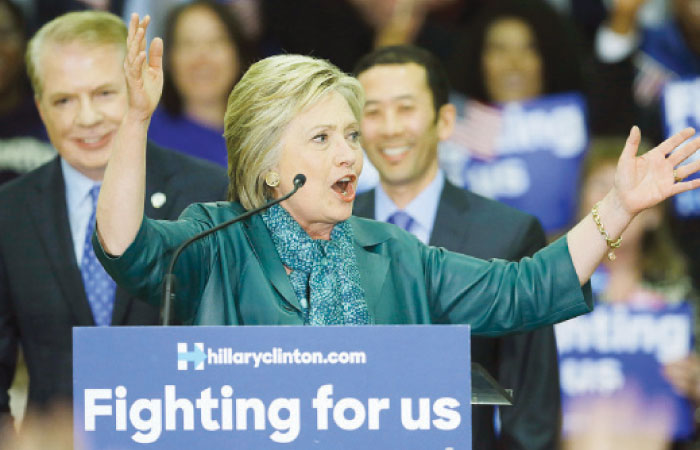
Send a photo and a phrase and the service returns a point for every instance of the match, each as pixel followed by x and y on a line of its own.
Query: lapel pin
pixel 158 199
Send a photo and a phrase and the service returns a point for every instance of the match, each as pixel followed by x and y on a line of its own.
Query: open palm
pixel 643 181
pixel 144 77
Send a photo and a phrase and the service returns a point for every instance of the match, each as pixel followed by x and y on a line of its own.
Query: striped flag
pixel 477 130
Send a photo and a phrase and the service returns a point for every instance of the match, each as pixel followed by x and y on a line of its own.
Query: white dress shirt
pixel 79 205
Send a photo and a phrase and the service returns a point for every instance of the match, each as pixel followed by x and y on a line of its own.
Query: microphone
pixel 169 278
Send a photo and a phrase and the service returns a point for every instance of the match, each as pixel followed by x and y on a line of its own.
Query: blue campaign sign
pixel 526 154
pixel 681 109
pixel 402 387
pixel 611 366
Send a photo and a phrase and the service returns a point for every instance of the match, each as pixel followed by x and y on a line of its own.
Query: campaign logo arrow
pixel 196 356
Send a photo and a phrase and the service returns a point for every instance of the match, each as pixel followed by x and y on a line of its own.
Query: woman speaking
pixel 307 260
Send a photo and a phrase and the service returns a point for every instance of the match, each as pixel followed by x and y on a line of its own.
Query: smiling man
pixel 50 280
pixel 406 114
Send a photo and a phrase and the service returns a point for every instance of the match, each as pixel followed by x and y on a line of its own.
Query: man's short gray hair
pixel 91 28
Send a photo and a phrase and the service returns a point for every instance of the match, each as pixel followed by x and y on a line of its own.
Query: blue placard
pixel 535 159
pixel 611 366
pixel 681 109
pixel 402 387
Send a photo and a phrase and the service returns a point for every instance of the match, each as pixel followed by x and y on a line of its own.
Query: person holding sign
pixel 520 133
pixel 308 262
pixel 613 360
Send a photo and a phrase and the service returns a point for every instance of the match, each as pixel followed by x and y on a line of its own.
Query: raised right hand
pixel 144 78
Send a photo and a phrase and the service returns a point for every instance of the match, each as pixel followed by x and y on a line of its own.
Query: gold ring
pixel 676 178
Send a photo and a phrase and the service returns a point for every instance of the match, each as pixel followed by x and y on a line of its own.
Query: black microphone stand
pixel 169 279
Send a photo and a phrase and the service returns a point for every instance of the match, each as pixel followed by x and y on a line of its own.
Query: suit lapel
pixel 373 270
pixel 373 266
pixel 264 249
pixel 158 205
pixel 50 217
pixel 450 230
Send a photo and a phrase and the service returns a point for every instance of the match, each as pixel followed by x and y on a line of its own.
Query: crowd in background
pixel 611 60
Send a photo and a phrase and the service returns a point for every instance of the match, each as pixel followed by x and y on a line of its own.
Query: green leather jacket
pixel 235 277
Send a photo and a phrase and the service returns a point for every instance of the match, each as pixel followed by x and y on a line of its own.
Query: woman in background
pixel 516 51
pixel 206 55
pixel 648 279
pixel 514 71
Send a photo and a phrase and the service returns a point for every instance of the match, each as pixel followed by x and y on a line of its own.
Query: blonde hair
pixel 268 96
pixel 92 28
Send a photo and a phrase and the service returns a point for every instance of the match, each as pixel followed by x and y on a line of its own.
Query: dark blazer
pixel 527 363
pixel 41 289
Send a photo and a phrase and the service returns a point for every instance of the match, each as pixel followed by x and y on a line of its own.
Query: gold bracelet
pixel 613 244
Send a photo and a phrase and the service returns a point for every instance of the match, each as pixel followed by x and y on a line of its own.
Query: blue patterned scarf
pixel 324 270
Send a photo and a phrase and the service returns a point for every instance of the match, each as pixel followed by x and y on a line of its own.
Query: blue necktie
pixel 99 286
pixel 401 219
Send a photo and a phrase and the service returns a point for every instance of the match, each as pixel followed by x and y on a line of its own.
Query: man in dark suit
pixel 406 114
pixel 76 66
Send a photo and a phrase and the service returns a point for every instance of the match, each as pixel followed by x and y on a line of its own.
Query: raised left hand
pixel 644 181
pixel 144 76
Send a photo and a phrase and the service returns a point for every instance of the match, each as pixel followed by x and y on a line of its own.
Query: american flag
pixel 477 130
